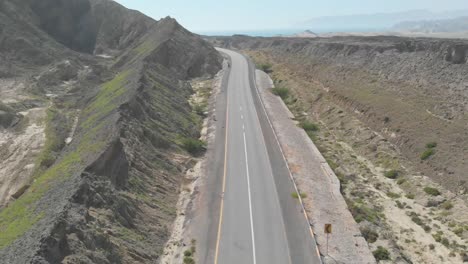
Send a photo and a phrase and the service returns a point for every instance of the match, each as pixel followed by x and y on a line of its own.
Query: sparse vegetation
pixel 445 242
pixel 193 146
pixel 189 260
pixel 381 253
pixel 459 231
pixel 55 123
pixel 399 204
pixel 410 196
pixel 20 215
pixel 189 253
pixel 309 126
pixel 427 153
pixel 266 67
pixel 391 174
pixel 429 150
pixel 200 109
pixel 105 101
pixel 282 92
pixel 295 195
pixel 393 195
pixel 447 205
pixel 332 164
pixel 370 235
pixel 400 181
pixel 431 191
pixel 362 212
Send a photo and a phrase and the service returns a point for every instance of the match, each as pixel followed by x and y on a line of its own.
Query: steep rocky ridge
pixel 107 195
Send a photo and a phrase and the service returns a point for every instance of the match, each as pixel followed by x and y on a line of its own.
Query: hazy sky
pixel 216 15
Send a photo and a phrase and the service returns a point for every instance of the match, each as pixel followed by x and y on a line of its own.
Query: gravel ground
pixel 324 203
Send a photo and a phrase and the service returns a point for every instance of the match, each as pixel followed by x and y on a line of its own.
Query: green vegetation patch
pixel 22 214
pixel 362 212
pixel 266 67
pixel 130 235
pixel 282 92
pixel 295 195
pixel 427 153
pixel 53 143
pixel 193 146
pixel 430 150
pixel 391 174
pixel 189 253
pixel 381 253
pixel 393 195
pixel 309 126
pixel 432 191
pixel 370 235
pixel 145 48
pixel 105 101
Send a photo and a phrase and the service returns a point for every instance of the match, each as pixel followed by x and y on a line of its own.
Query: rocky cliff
pixel 111 87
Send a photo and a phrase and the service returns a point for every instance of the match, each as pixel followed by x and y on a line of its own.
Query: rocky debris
pixel 109 194
pixel 19 145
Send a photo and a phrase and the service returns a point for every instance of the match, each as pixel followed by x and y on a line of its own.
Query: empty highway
pixel 259 221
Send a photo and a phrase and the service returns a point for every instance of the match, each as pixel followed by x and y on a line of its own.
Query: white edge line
pixel 287 165
pixel 250 201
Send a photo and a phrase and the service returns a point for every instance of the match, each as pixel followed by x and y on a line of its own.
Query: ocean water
pixel 256 33
pixel 278 32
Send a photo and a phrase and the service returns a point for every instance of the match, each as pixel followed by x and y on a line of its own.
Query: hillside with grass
pixel 94 118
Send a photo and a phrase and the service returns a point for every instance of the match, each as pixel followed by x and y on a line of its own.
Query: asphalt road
pixel 258 223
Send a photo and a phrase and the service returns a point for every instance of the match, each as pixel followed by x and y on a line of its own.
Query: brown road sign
pixel 328 228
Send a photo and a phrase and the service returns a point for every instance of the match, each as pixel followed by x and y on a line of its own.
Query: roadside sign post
pixel 328 231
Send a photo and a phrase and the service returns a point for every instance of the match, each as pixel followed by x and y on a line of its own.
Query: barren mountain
pixel 459 24
pixel 93 115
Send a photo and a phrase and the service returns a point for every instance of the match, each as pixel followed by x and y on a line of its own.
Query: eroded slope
pixel 104 186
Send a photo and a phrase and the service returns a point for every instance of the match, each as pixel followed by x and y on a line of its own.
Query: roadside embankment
pixel 318 185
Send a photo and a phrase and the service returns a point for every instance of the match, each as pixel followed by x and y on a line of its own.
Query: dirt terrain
pixel 96 130
pixel 390 116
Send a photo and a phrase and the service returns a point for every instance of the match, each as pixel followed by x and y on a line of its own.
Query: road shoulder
pixel 324 203
pixel 198 205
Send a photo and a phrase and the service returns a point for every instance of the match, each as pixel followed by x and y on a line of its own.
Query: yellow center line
pixel 224 182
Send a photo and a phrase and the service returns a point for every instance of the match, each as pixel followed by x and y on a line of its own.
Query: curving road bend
pixel 258 223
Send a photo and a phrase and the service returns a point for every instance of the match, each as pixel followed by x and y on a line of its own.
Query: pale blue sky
pixel 218 15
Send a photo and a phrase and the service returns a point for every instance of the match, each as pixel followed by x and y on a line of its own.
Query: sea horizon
pixel 282 32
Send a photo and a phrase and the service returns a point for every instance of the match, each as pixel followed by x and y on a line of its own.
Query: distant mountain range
pixel 459 24
pixel 376 22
